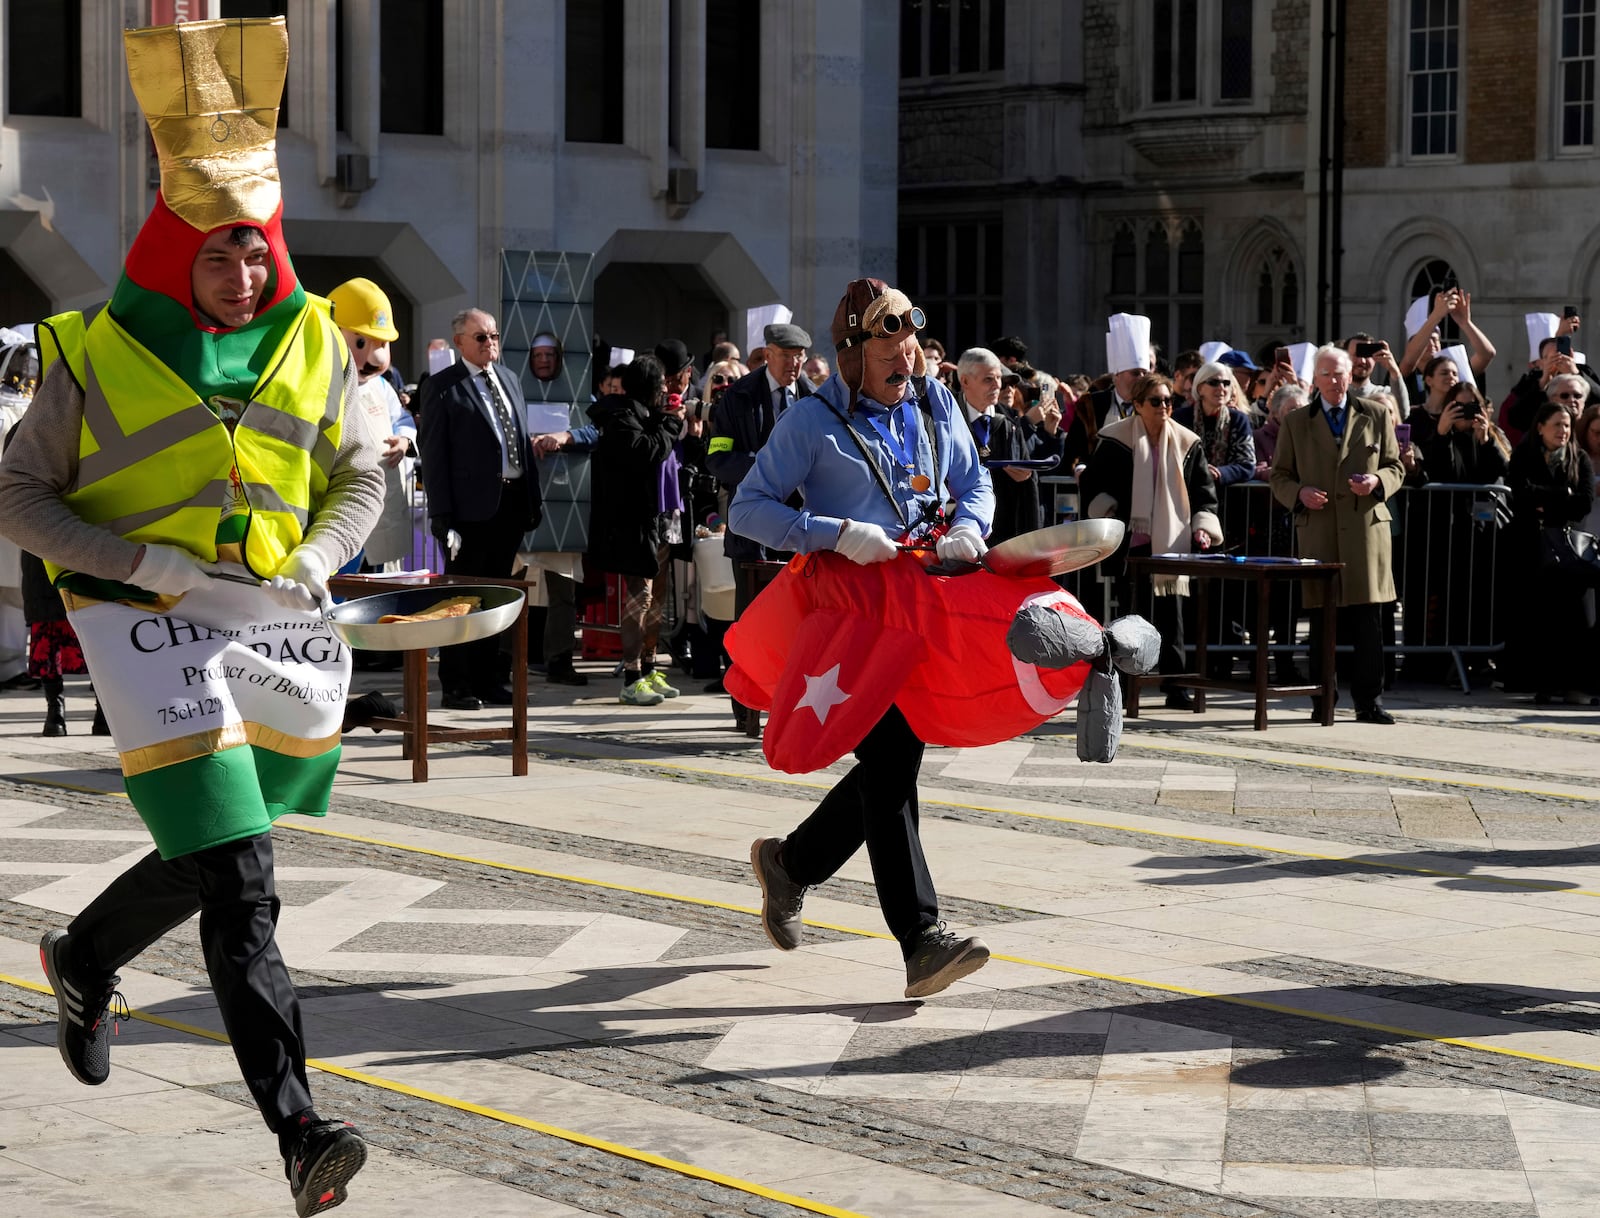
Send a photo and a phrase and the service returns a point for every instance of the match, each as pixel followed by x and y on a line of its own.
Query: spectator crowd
pixel 1459 516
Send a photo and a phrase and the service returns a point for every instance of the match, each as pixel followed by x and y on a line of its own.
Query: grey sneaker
pixel 940 959
pixel 88 1010
pixel 780 896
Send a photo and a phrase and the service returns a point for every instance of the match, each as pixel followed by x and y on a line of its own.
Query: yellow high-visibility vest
pixel 155 464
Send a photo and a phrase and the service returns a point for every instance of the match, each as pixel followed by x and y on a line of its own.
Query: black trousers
pixel 1362 627
pixel 1165 613
pixel 488 548
pixel 876 804
pixel 233 890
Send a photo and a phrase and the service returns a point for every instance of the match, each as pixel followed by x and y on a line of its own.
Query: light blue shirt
pixel 810 451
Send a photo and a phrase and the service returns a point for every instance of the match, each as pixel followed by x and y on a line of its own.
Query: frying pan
pixel 356 623
pixel 1052 551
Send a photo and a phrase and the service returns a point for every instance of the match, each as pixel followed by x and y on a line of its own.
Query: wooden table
pixel 415 734
pixel 1265 573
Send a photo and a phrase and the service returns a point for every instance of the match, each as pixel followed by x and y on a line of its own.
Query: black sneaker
pixel 781 897
pixel 940 959
pixel 326 1155
pixel 88 1010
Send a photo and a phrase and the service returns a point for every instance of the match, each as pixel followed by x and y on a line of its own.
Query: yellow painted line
pixel 1551 886
pixel 1507 881
pixel 753 911
pixel 505 1118
pixel 1187 991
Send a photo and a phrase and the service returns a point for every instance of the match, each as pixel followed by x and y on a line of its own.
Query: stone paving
pixel 1343 972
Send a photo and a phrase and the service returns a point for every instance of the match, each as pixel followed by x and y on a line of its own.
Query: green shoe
pixel 657 680
pixel 641 693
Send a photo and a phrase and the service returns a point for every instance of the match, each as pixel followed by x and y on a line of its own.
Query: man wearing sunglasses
pixel 483 492
pixel 741 421
pixel 874 452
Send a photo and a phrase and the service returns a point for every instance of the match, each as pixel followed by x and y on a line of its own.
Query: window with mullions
pixel 1278 291
pixel 1575 75
pixel 1433 76
pixel 1188 66
pixel 1427 282
pixel 1175 25
pixel 951 37
pixel 1159 270
pixel 953 272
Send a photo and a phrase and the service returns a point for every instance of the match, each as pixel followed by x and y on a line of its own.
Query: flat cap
pixel 786 334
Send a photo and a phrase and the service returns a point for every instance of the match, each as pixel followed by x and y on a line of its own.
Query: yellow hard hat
pixel 361 305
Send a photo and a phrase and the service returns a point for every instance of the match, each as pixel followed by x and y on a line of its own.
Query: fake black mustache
pixel 370 369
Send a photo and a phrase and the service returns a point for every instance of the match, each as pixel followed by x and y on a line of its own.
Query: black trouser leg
pixel 746 587
pixel 1361 626
pixel 232 886
pixel 488 548
pixel 1166 615
pixel 561 616
pixel 875 803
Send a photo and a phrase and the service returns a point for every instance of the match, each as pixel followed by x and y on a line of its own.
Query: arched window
pixel 1433 275
pixel 1156 268
pixel 1277 290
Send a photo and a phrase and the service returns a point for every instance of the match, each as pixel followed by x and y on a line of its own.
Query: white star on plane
pixel 823 694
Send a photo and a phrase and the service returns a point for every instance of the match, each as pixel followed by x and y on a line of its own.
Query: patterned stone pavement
pixel 1241 974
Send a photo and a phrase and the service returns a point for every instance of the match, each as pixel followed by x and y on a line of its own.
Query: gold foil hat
pixel 210 91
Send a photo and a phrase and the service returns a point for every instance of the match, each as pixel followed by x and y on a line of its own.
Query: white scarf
pixel 1160 496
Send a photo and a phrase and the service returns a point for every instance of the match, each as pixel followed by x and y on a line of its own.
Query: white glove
pixel 961 543
pixel 302 581
pixel 452 542
pixel 865 543
pixel 170 571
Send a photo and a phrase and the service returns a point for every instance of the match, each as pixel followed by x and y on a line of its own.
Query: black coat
pixel 1541 498
pixel 40 600
pixel 625 524
pixel 460 450
pixel 742 420
pixel 1016 504
pixel 1458 457
pixel 1110 472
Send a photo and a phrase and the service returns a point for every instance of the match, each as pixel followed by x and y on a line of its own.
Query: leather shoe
pixel 461 700
pixel 496 695
pixel 1374 714
pixel 565 675
pixel 1180 699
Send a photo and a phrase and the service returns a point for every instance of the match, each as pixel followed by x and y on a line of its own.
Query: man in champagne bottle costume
pixel 189 475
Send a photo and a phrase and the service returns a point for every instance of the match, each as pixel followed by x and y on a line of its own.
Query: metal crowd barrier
pixel 1446 564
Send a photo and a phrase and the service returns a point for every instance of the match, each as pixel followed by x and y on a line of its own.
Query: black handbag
pixel 1570 553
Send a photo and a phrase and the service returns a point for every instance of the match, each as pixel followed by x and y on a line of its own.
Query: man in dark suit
pixel 483 493
pixel 741 421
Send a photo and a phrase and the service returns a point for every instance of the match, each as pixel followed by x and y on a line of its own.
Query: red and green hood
pixel 154 302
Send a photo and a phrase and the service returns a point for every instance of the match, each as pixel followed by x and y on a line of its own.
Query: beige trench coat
pixel 1352 529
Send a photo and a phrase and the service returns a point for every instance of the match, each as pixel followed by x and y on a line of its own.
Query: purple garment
pixel 1267 441
pixel 669 490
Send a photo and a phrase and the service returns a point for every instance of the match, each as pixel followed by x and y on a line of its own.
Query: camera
pixel 694 408
pixel 1471 409
pixel 1368 350
pixel 1032 393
